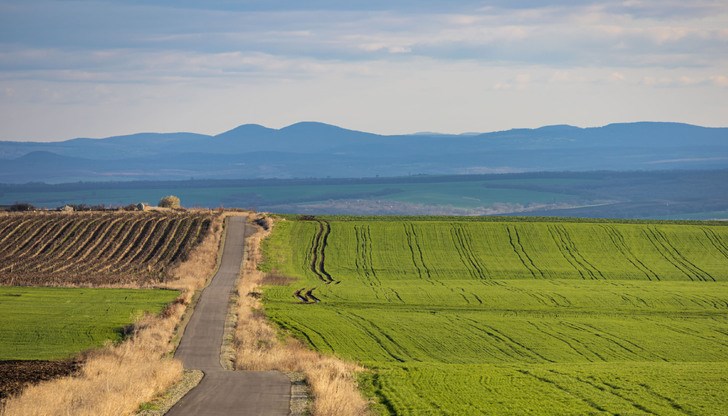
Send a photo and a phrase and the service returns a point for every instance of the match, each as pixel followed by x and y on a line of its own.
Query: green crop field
pixel 513 317
pixel 56 323
pixel 656 195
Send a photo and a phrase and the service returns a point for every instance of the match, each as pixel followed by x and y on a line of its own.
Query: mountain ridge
pixel 313 149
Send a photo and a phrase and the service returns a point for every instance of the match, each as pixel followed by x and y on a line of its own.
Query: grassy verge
pixel 333 383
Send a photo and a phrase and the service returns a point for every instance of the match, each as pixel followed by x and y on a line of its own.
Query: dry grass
pixel 116 379
pixel 332 381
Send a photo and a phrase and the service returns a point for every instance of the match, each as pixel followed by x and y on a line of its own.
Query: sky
pixel 95 68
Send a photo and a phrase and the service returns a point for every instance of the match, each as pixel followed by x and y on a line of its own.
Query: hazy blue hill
pixel 41 157
pixel 135 145
pixel 315 129
pixel 311 149
pixel 246 131
pixel 37 165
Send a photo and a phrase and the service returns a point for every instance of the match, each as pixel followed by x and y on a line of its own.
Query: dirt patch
pixel 16 375
pixel 274 279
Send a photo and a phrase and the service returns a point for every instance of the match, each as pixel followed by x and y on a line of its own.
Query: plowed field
pixel 16 374
pixel 96 248
pixel 508 317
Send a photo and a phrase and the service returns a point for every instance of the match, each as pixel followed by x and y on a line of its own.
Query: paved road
pixel 224 392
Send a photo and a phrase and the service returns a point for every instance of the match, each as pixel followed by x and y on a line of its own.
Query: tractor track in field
pixel 416 251
pixel 716 241
pixel 515 240
pixel 568 391
pixel 618 240
pixel 673 404
pixel 318 252
pixel 463 242
pixel 378 335
pixel 606 388
pixel 568 250
pixel 505 343
pixel 306 295
pixel 565 341
pixel 674 257
pixel 363 259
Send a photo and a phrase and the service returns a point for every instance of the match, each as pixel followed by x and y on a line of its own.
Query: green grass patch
pixel 509 317
pixel 56 323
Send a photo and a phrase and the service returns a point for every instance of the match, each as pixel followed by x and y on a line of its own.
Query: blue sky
pixel 99 68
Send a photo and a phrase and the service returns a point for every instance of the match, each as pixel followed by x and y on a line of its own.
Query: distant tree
pixel 169 201
pixel 21 207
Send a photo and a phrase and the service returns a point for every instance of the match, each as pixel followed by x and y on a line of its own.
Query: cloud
pixel 567 33
pixel 415 54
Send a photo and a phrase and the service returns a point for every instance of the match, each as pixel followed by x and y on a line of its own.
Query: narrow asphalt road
pixel 224 392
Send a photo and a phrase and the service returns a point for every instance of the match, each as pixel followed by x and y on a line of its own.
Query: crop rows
pixel 107 248
pixel 509 317
pixel 436 251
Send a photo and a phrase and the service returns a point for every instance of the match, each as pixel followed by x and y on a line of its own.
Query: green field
pixel 513 317
pixel 657 195
pixel 453 193
pixel 56 323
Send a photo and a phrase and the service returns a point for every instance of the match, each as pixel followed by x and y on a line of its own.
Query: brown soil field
pixel 16 375
pixel 97 249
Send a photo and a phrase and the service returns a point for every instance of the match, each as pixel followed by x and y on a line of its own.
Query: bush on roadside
pixel 169 201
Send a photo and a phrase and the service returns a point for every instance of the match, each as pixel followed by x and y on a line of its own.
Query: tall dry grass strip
pixel 332 381
pixel 116 379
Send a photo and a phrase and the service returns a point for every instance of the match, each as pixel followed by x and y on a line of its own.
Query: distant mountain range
pixel 317 150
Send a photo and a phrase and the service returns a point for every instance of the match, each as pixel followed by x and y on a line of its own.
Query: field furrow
pixel 156 238
pixel 49 232
pixel 14 230
pixel 179 229
pixel 114 252
pixel 24 239
pixel 199 228
pixel 31 261
pixel 97 240
pixel 57 249
pixel 69 244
